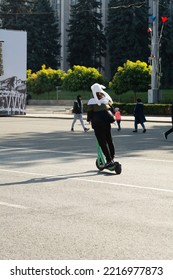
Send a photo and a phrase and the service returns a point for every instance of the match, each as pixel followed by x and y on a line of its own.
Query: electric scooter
pixel 100 162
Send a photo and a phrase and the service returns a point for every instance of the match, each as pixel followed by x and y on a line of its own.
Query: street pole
pixel 155 50
pixel 154 92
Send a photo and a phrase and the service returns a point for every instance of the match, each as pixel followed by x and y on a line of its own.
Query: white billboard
pixel 13 60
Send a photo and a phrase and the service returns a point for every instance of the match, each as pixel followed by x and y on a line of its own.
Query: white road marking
pixel 13 205
pixel 123 185
pixel 88 180
pixel 46 151
pixel 118 154
pixel 27 173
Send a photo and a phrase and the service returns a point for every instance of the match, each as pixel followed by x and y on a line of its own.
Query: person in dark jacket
pixel 139 115
pixel 78 111
pixel 98 114
pixel 165 134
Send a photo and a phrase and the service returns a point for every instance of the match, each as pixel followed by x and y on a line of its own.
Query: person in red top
pixel 118 118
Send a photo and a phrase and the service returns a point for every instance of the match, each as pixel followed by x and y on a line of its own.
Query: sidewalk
pixel 64 112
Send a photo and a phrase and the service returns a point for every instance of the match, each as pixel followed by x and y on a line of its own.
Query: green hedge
pixel 149 109
pixel 76 79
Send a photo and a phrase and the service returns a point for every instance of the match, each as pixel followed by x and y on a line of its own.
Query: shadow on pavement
pixel 56 178
pixel 30 148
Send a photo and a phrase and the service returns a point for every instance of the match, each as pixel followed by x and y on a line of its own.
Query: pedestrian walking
pixel 165 134
pixel 78 111
pixel 118 118
pixel 98 113
pixel 139 115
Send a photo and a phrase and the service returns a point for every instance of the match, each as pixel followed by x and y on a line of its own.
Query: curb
pixel 70 117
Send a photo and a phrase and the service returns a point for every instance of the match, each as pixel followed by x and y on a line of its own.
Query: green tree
pixel 44 80
pixel 82 78
pixel 127 34
pixel 86 43
pixel 37 18
pixel 43 37
pixel 14 14
pixel 133 76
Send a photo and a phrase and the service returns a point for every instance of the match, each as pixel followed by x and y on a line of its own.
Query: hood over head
pixel 99 88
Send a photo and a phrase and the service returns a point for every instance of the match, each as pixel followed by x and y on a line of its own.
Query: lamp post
pixel 155 53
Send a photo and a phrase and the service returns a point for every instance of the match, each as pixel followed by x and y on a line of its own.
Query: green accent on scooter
pixel 100 162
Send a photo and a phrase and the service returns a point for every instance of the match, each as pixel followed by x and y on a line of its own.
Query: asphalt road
pixel 55 204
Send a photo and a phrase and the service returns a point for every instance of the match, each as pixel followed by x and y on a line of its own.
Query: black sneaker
pixel 144 130
pixel 86 129
pixel 135 130
pixel 72 129
pixel 109 164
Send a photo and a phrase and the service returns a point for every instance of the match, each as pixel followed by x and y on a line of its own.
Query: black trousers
pixel 168 131
pixel 104 138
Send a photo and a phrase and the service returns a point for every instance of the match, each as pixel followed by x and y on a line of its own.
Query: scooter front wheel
pixel 99 164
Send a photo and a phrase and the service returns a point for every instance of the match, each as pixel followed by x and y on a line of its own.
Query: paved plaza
pixel 55 204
